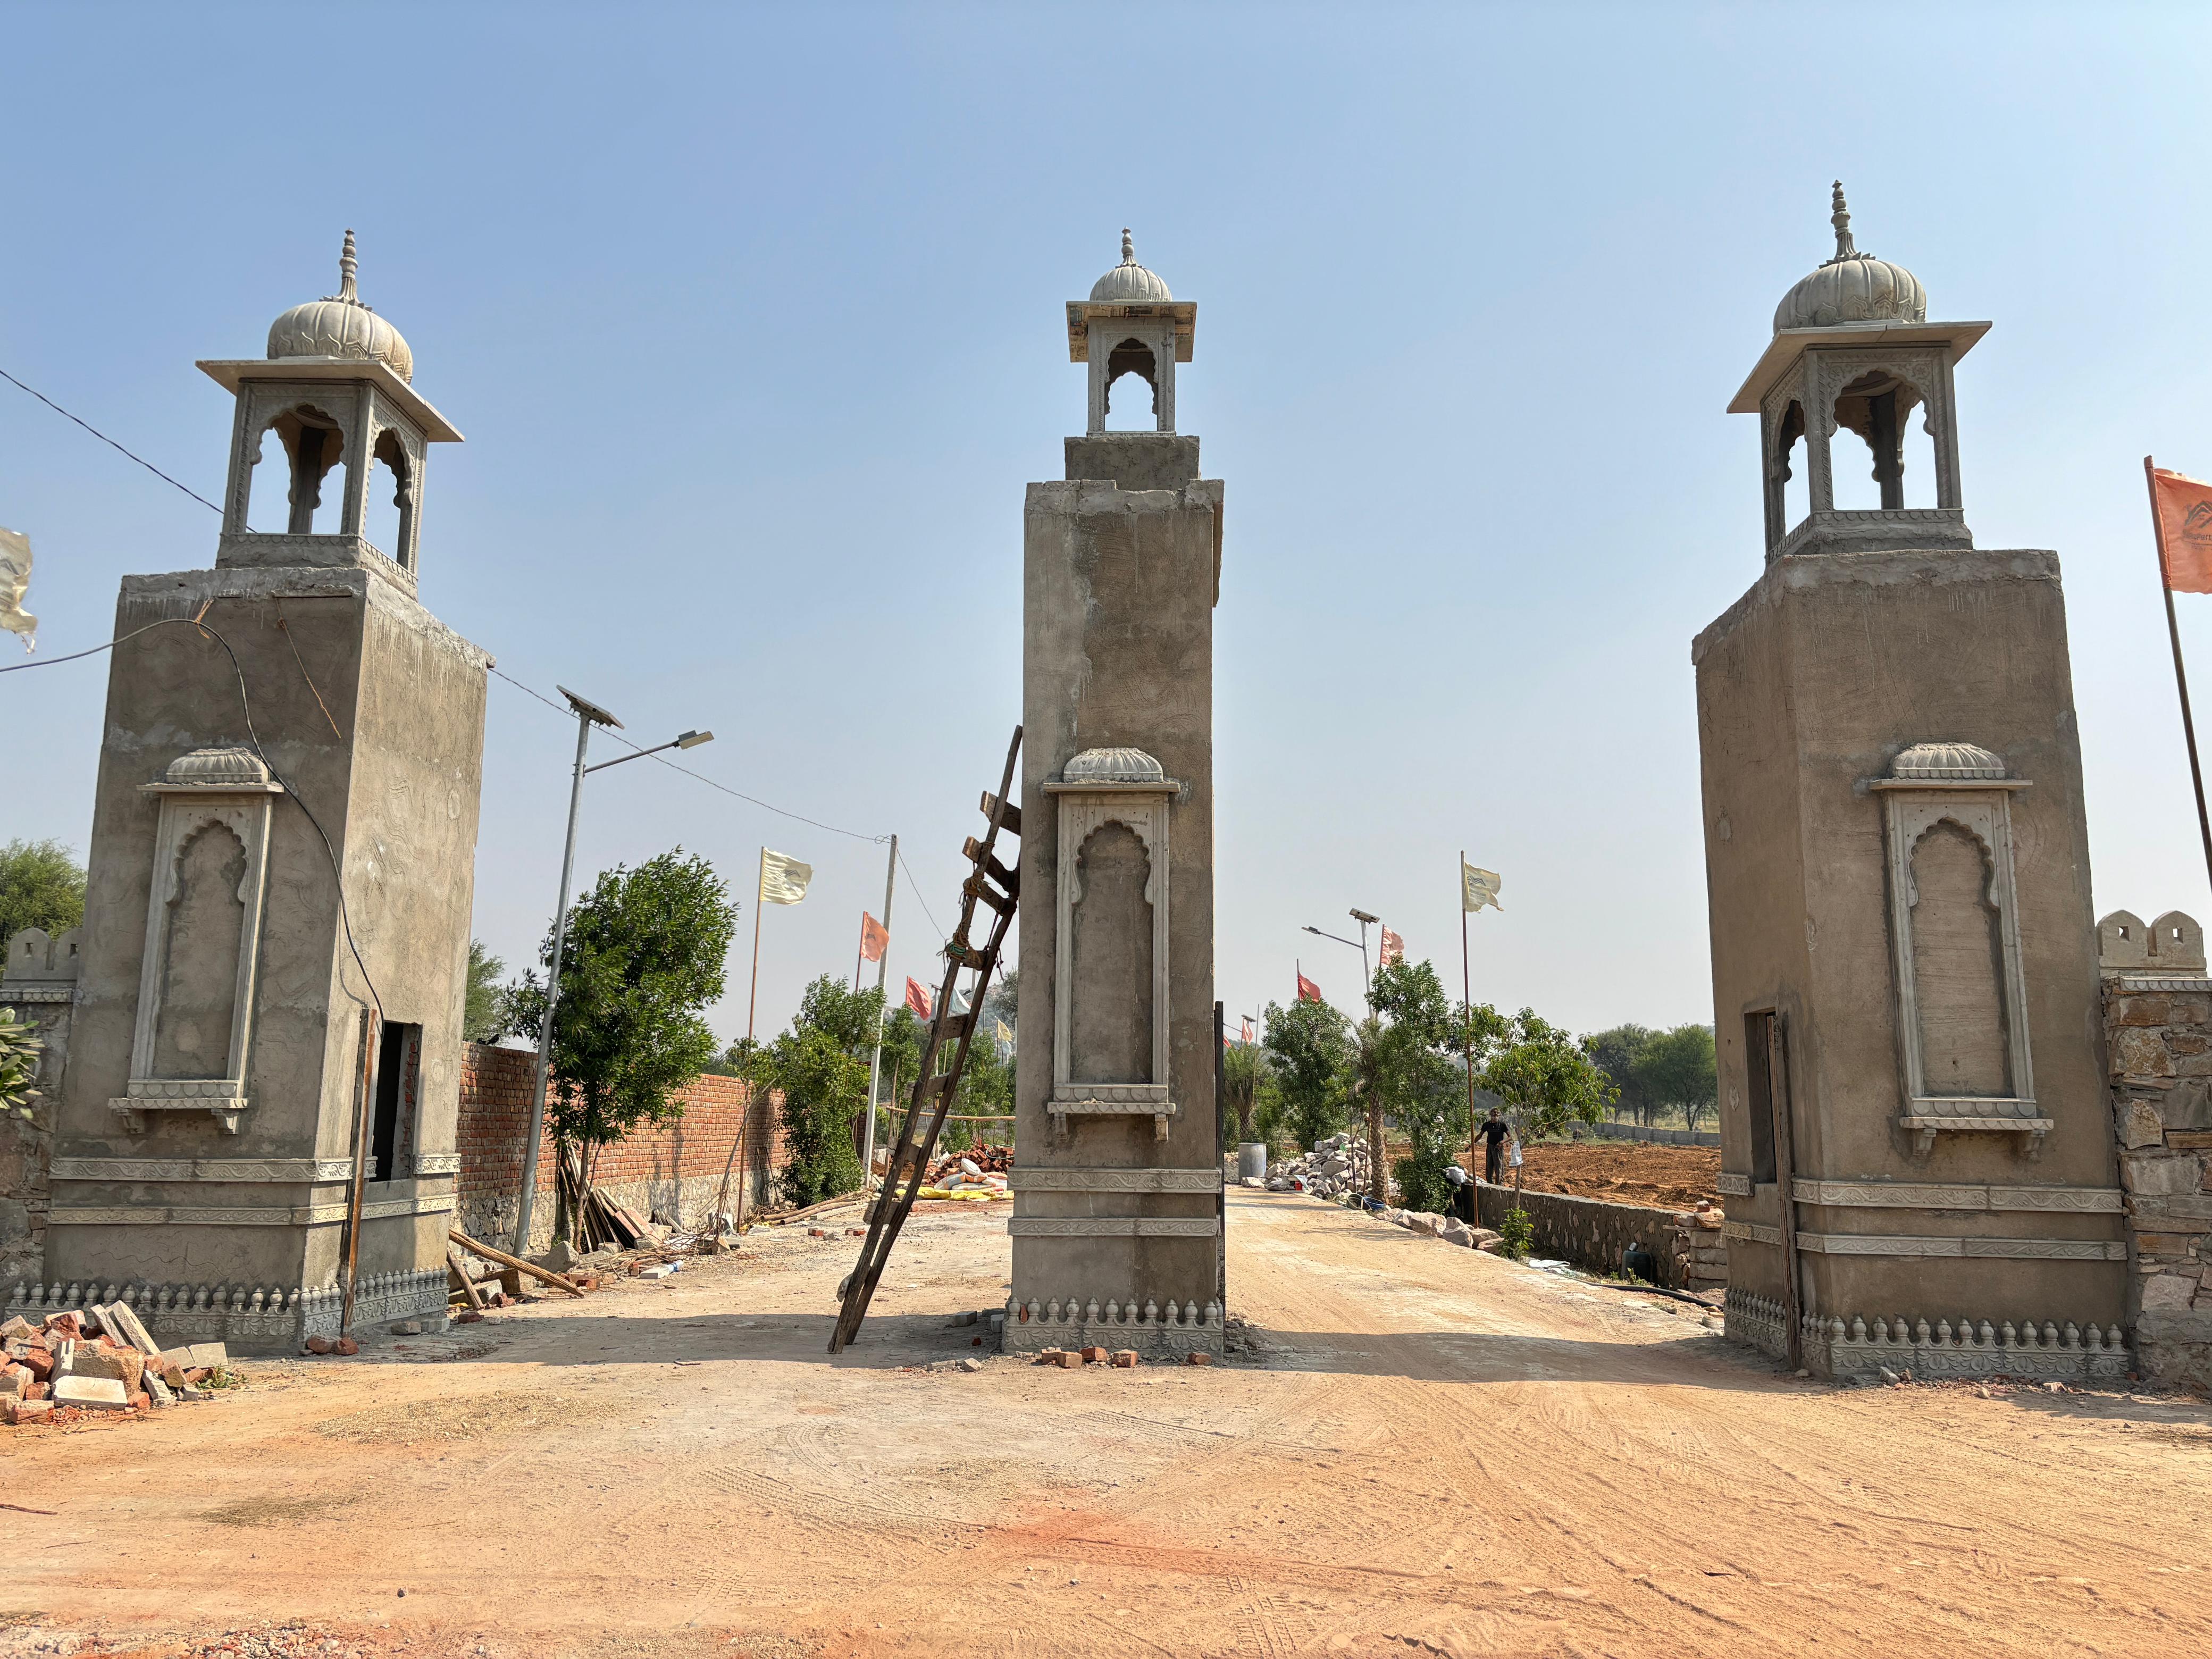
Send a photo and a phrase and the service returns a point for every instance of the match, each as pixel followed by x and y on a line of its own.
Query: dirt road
pixel 1435 1449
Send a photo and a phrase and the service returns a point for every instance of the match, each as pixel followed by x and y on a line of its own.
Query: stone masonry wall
pixel 2159 1043
pixel 673 1171
pixel 37 979
pixel 1688 1245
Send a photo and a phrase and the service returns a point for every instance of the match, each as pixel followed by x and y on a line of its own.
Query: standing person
pixel 1494 1131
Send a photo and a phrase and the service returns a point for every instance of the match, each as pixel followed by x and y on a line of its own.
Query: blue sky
pixel 752 319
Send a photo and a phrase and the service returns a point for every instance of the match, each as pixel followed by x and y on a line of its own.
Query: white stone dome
pixel 1113 766
pixel 1939 761
pixel 1129 283
pixel 1852 287
pixel 340 326
pixel 218 768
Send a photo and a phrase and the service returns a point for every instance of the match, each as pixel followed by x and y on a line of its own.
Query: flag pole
pixel 1466 1009
pixel 752 1003
pixel 2180 675
pixel 876 1060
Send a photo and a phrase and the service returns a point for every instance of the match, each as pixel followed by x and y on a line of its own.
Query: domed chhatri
pixel 340 326
pixel 1852 287
pixel 1114 766
pixel 1942 762
pixel 1129 283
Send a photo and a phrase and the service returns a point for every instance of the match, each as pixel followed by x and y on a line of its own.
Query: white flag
pixel 14 578
pixel 1480 887
pixel 783 879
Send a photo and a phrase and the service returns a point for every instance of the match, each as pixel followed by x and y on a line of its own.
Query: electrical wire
pixel 110 442
pixel 700 777
pixel 639 748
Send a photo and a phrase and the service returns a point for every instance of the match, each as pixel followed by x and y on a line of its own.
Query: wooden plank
pixel 458 1275
pixel 1009 817
pixel 488 1254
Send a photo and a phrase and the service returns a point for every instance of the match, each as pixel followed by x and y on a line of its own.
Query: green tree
pixel 822 1085
pixel 1544 1077
pixel 1405 1056
pixel 18 1062
pixel 645 953
pixel 1243 1070
pixel 1676 1070
pixel 485 1012
pixel 40 886
pixel 1615 1052
pixel 1309 1045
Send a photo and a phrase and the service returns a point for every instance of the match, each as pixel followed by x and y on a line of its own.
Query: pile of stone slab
pixel 1336 1168
pixel 99 1358
pixel 1449 1227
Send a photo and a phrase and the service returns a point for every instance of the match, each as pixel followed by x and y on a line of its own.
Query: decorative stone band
pixel 437 1163
pixel 2196 982
pixel 1837 1348
pixel 1115 1100
pixel 1079 1323
pixel 1113 1226
pixel 1733 1186
pixel 263 1319
pixel 1022 1180
pixel 2008 1250
pixel 223 1098
pixel 1925 1118
pixel 1915 1195
pixel 203 1168
pixel 267 1215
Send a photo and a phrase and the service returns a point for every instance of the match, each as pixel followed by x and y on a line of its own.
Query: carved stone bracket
pixel 221 1098
pixel 1113 1100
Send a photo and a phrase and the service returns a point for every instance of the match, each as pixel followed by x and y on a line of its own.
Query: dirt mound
pixel 1625 1172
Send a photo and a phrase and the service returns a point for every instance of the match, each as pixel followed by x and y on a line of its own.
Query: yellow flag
pixel 783 879
pixel 1479 887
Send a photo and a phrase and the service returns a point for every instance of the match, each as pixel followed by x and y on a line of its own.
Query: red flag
pixel 1308 991
pixel 917 997
pixel 2184 507
pixel 1249 1035
pixel 1393 948
pixel 874 936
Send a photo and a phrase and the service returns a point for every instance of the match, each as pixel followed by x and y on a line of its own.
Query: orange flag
pixel 917 998
pixel 1308 991
pixel 2184 507
pixel 874 936
pixel 1393 948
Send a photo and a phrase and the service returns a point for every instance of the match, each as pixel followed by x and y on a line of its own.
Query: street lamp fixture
pixel 588 714
pixel 1360 944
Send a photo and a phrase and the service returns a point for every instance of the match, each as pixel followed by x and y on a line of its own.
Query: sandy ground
pixel 1433 1450
pixel 1624 1171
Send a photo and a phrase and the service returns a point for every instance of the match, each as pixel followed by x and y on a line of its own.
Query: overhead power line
pixel 110 442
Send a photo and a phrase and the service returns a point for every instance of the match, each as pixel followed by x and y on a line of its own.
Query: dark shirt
pixel 1494 1133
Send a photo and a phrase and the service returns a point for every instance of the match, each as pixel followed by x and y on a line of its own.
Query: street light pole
pixel 588 714
pixel 1359 944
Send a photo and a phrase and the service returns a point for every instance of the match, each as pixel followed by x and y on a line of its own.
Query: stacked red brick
pixel 651 1169
pixel 96 1359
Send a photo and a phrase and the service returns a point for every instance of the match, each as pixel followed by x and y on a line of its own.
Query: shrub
pixel 1518 1231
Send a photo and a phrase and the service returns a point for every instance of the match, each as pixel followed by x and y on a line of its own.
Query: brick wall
pixel 2157 1037
pixel 673 1171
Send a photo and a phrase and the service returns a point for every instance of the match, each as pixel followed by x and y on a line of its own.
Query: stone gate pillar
pixel 1117 1179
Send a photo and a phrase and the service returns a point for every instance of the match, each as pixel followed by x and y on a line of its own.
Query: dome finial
pixel 1128 247
pixel 1841 219
pixel 347 265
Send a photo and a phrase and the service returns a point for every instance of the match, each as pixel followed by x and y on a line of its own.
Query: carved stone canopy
pixel 340 326
pixel 1129 282
pixel 1852 287
pixel 233 771
pixel 1113 766
pixel 1934 762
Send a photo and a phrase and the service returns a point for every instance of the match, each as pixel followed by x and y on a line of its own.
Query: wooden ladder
pixel 996 886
